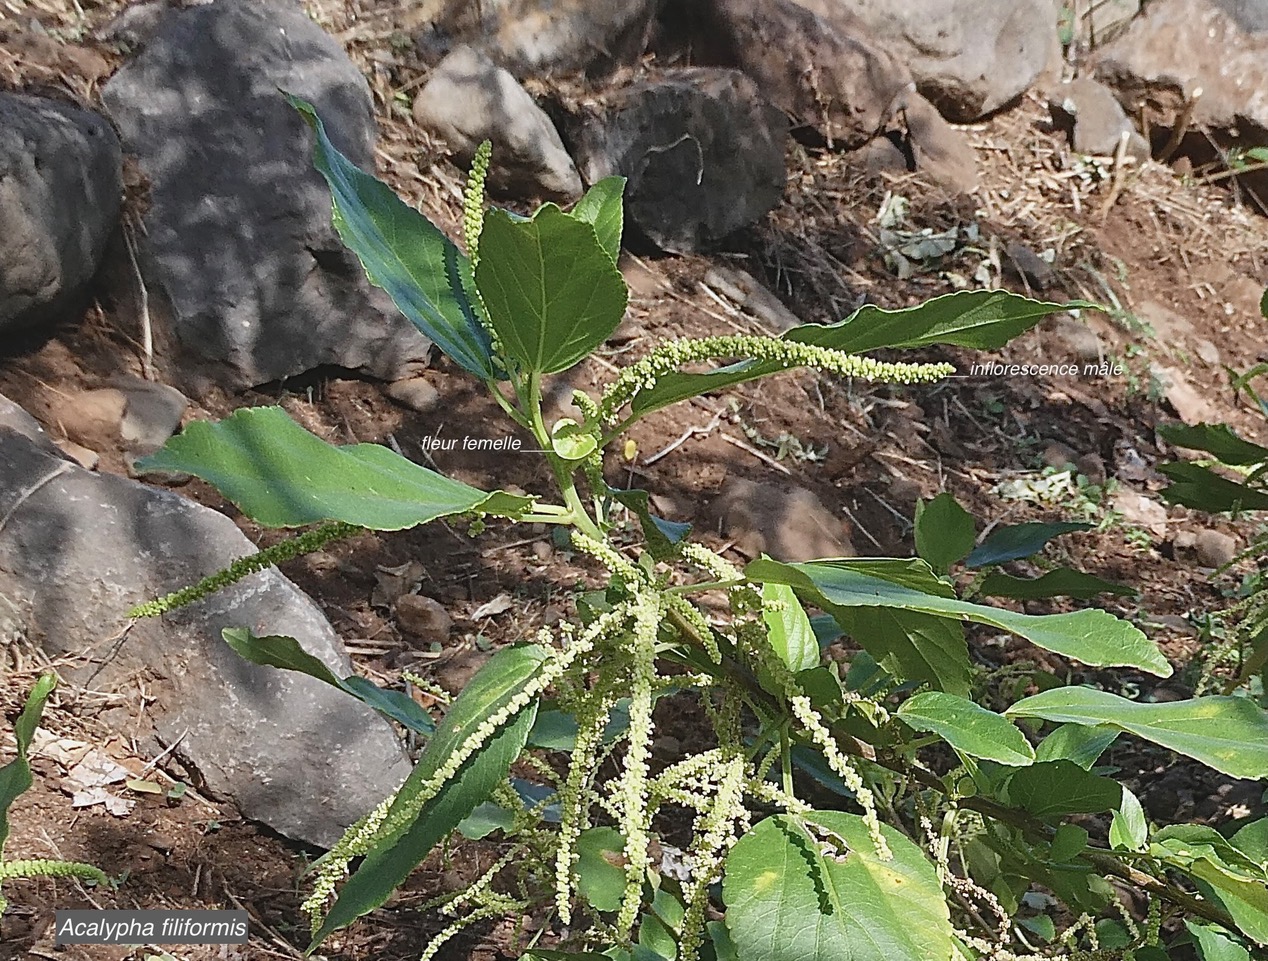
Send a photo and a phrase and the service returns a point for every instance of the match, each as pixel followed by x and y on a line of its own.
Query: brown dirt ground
pixel 1188 247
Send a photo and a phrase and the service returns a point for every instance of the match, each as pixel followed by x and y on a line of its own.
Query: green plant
pixel 935 816
pixel 15 779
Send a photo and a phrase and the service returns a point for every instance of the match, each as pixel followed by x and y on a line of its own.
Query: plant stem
pixel 563 472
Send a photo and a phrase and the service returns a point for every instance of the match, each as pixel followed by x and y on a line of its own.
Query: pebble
pixel 1214 548
pixel 423 619
pixel 416 393
pixel 1060 456
pixel 1092 466
pixel 85 458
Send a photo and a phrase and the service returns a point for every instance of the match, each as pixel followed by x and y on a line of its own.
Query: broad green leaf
pixel 601 208
pixel 1016 541
pixel 1094 637
pixel 1229 734
pixel 283 476
pixel 663 537
pixel 1068 843
pixel 1252 840
pixel 1203 489
pixel 983 319
pixel 485 819
pixel 552 292
pixel 1215 944
pixel 911 645
pixel 15 777
pixel 1230 877
pixel 1216 439
pixel 659 928
pixel 403 252
pixel 967 727
pixel 791 896
pixel 1053 789
pixel 1129 829
pixel 501 679
pixel 1063 582
pixel 720 937
pixel 601 867
pixel 1078 743
pixel 788 628
pixel 944 532
pixel 280 651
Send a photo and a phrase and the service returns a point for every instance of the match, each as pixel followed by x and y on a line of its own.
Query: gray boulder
pixel 238 242
pixel 969 57
pixel 77 550
pixel 702 150
pixel 468 99
pixel 60 192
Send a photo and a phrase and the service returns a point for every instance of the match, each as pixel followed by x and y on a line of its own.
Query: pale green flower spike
pixel 473 201
pixel 287 550
pixel 46 868
pixel 786 354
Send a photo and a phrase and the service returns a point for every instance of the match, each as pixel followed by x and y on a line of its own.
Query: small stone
pixel 1025 264
pixel 85 458
pixel 1207 352
pixel 416 393
pixel 1079 339
pixel 1185 540
pixel 1092 466
pixel 454 673
pixel 1190 406
pixel 786 521
pixel 1141 511
pixel 153 413
pixel 423 619
pixel 543 551
pixel 1214 548
pixel 1060 456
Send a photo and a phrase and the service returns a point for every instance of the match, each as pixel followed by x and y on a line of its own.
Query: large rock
pixel 1179 46
pixel 969 57
pixel 1094 120
pixel 540 36
pixel 60 191
pixel 825 71
pixel 703 152
pixel 469 99
pixel 77 550
pixel 238 239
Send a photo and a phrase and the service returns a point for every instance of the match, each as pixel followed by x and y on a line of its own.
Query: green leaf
pixel 791 896
pixel 1215 944
pixel 283 476
pixel 1203 489
pixel 1054 789
pixel 280 651
pixel 1224 874
pixel 1063 582
pixel 1263 304
pixel 1252 840
pixel 1068 843
pixel 788 628
pixel 552 292
pixel 663 537
pixel 1129 830
pixel 1094 637
pixel 1216 439
pixel 403 252
pixel 501 679
pixel 485 819
pixel 944 532
pixel 15 777
pixel 1076 742
pixel 600 867
pixel 910 645
pixel 1017 541
pixel 983 319
pixel 967 727
pixel 601 208
pixel 1229 734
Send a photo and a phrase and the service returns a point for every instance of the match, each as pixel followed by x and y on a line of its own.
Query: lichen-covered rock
pixel 239 252
pixel 60 192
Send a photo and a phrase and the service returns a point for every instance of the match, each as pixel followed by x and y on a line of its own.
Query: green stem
pixel 564 477
pixel 705 586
